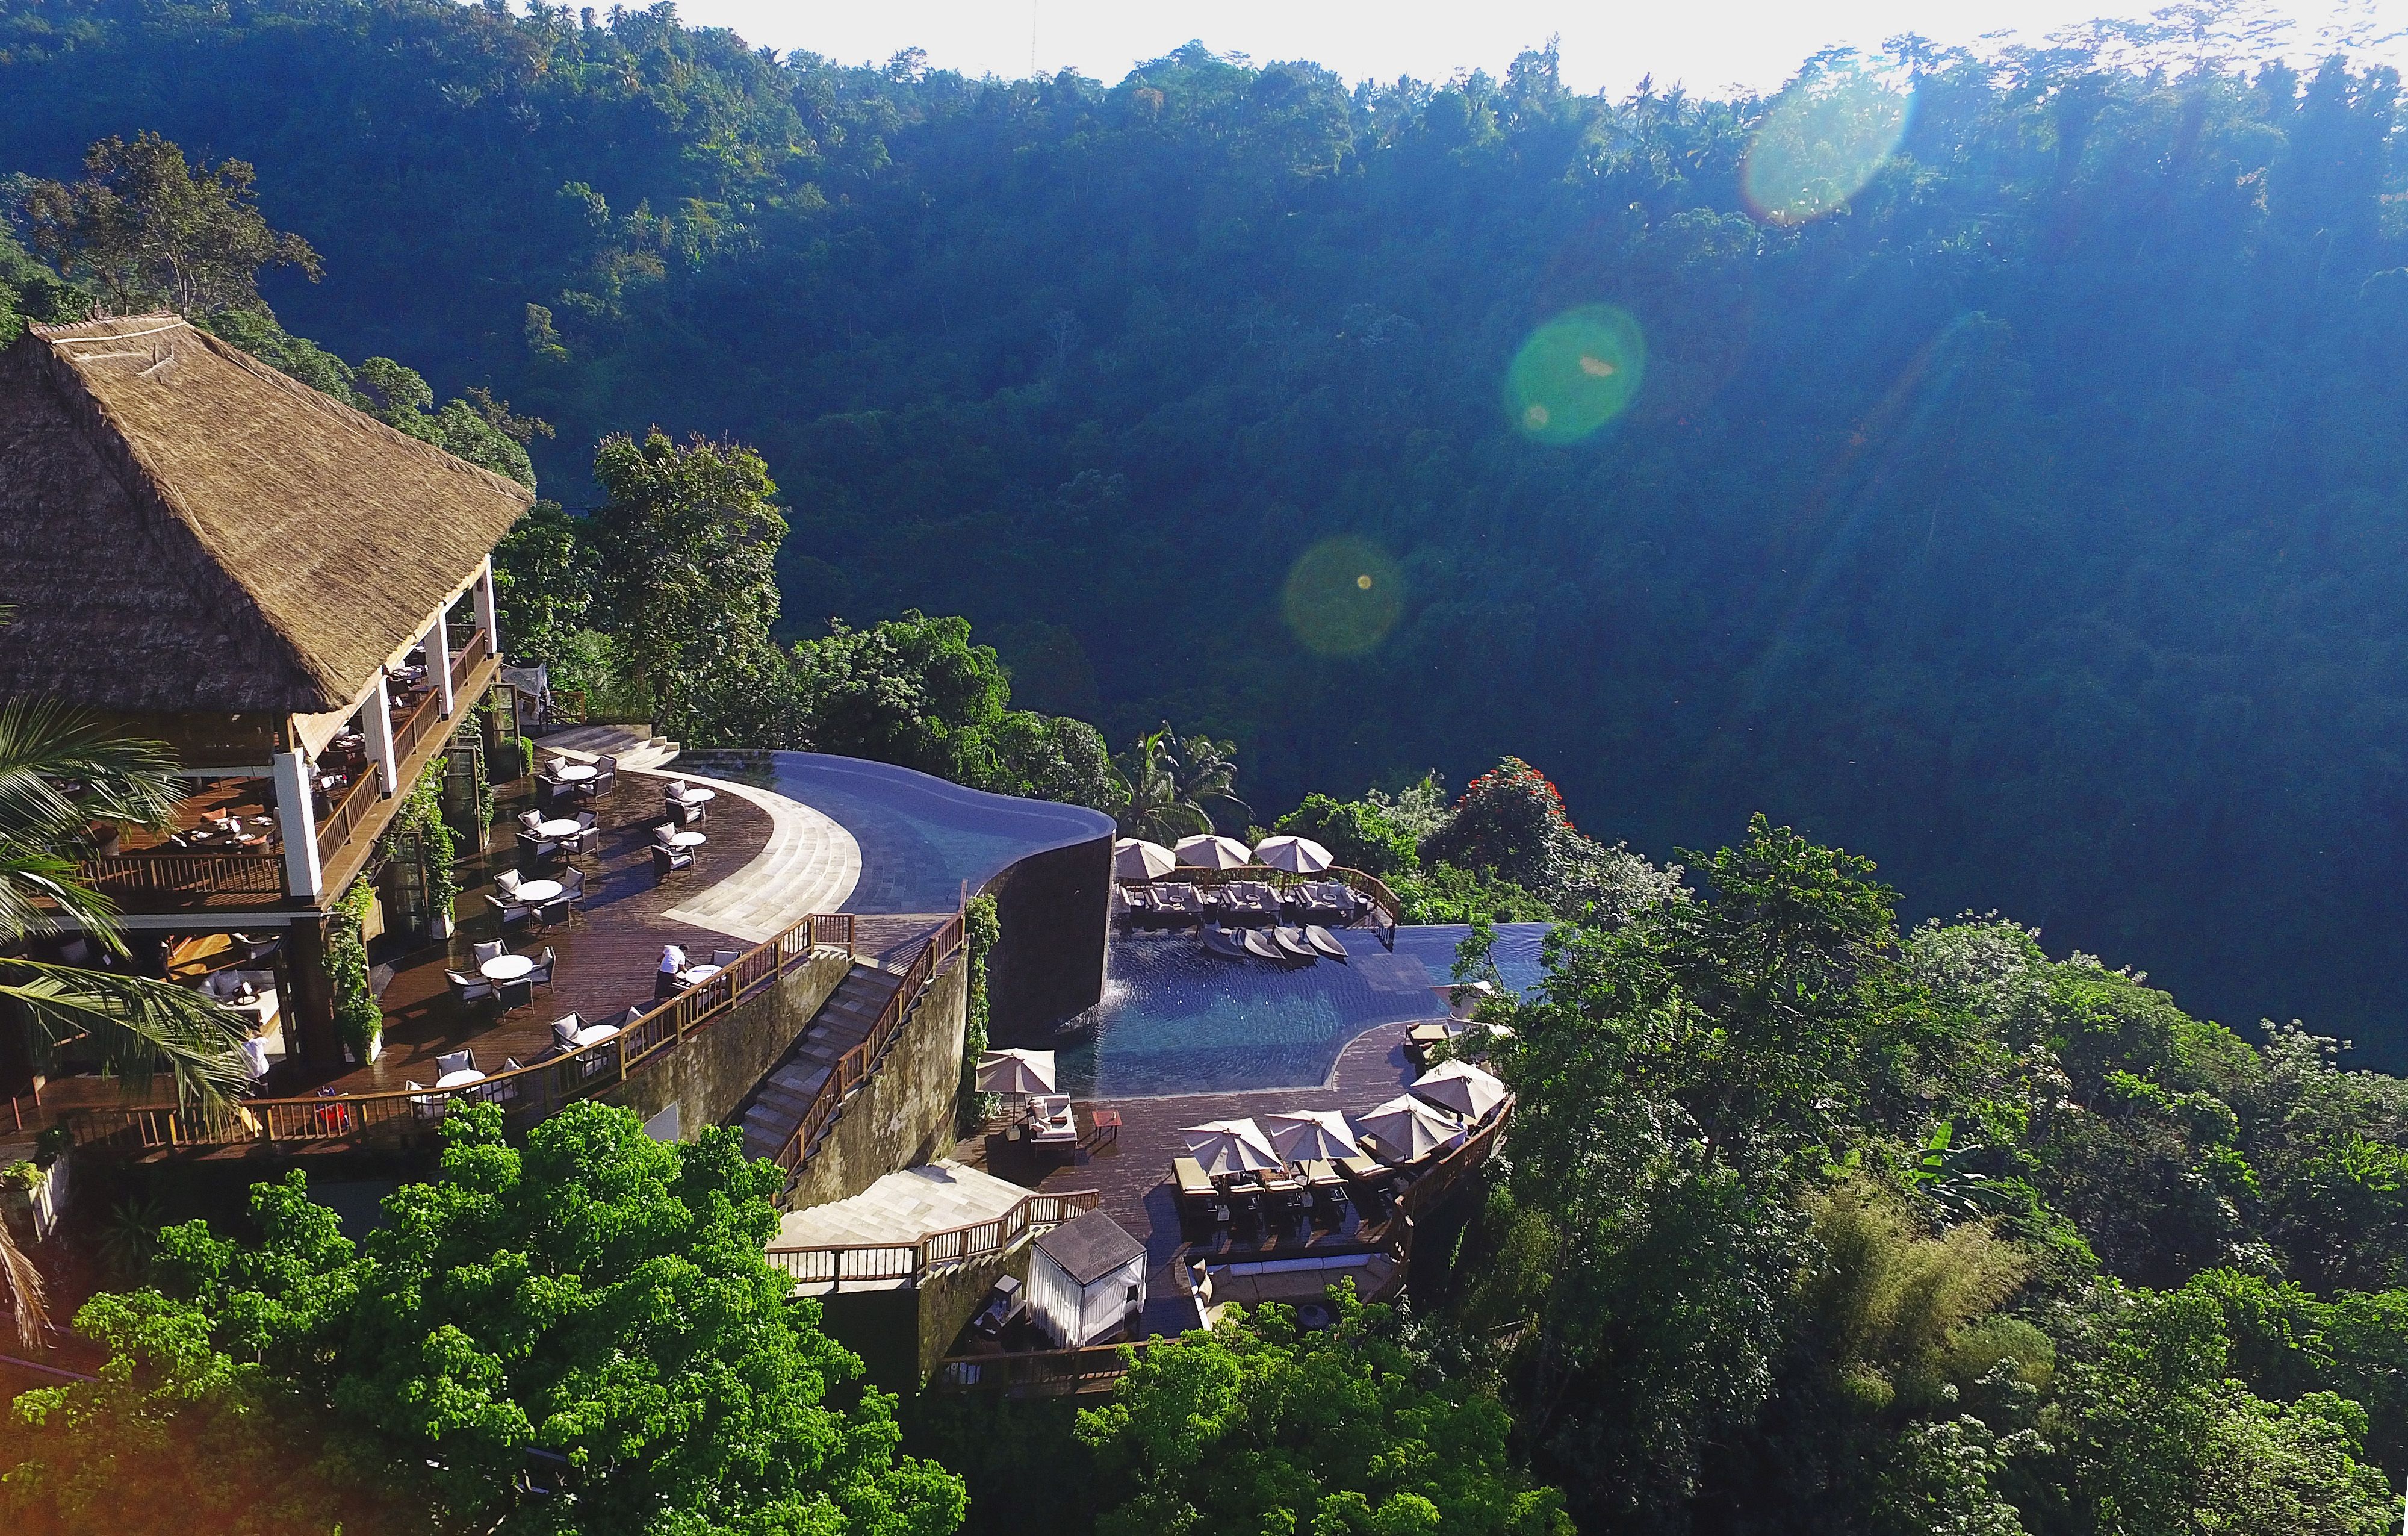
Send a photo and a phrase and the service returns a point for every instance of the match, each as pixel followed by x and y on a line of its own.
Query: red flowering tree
pixel 1511 820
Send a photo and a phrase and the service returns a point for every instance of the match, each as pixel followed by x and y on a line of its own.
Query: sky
pixel 1707 45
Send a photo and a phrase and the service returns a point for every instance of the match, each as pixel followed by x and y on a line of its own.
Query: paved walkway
pixel 810 865
pixel 902 1208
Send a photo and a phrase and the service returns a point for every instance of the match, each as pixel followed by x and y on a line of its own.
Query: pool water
pixel 921 837
pixel 1177 1018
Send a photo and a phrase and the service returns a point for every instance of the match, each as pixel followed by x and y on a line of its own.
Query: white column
pixel 378 728
pixel 439 657
pixel 297 819
pixel 485 619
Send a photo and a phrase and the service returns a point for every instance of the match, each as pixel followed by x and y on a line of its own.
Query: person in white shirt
pixel 672 962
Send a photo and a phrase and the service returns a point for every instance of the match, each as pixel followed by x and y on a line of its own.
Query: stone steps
pixel 779 1102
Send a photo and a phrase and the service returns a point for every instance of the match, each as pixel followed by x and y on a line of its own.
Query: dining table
pixel 460 1079
pixel 561 827
pixel 687 839
pixel 696 975
pixel 534 893
pixel 506 967
pixel 575 773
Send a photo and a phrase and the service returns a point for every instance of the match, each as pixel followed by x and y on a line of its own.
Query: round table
pixel 460 1079
pixel 696 975
pixel 595 1034
pixel 561 827
pixel 576 773
pixel 700 796
pixel 535 892
pixel 687 839
pixel 506 967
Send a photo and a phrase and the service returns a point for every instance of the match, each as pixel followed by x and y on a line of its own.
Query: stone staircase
pixel 584 743
pixel 781 1101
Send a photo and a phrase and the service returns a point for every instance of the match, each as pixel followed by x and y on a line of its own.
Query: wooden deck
pixel 1132 1173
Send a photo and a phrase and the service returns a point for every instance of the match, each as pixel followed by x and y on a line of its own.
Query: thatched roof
pixel 184 530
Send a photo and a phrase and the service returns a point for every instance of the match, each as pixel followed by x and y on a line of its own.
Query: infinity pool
pixel 921 836
pixel 1177 1018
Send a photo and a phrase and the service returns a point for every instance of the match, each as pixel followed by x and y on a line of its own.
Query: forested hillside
pixel 2033 522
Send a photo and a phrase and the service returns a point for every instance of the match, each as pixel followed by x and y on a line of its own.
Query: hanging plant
pixel 981 929
pixel 359 1018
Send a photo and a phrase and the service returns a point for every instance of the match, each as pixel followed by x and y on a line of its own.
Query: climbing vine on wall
pixel 359 1018
pixel 981 928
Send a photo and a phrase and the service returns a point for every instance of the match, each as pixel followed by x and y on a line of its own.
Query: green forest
pixel 1940 591
pixel 2030 523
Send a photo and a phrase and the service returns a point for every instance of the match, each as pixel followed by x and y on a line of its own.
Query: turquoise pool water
pixel 921 836
pixel 1177 1018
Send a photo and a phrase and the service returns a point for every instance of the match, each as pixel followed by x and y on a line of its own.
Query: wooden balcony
pixel 134 881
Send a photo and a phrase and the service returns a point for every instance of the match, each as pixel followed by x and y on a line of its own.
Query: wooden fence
pixel 1042 1373
pixel 184 874
pixel 479 646
pixel 858 1064
pixel 1384 904
pixel 530 1093
pixel 359 798
pixel 834 1264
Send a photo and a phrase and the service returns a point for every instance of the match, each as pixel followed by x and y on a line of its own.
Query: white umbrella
pixel 1406 1131
pixel 1136 859
pixel 1308 1134
pixel 1231 1146
pixel 1016 1071
pixel 1470 1091
pixel 1211 851
pixel 1462 997
pixel 1297 855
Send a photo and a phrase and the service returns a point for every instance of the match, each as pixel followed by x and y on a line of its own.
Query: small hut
pixel 1086 1278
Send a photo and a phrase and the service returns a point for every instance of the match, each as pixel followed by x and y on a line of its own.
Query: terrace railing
pixel 835 1264
pixel 424 717
pixel 344 817
pixel 464 660
pixel 1042 1373
pixel 1384 900
pixel 130 877
pixel 853 1067
pixel 531 1093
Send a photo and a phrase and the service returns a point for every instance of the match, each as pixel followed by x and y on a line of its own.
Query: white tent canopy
pixel 1136 859
pixel 1308 1134
pixel 1212 851
pixel 1014 1072
pixel 1470 1091
pixel 1231 1146
pixel 1406 1131
pixel 1085 1278
pixel 1297 855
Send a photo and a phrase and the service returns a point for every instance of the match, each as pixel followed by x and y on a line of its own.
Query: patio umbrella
pixel 1231 1146
pixel 1136 859
pixel 1211 851
pixel 1406 1131
pixel 1462 997
pixel 1470 1091
pixel 1297 855
pixel 1016 1071
pixel 1309 1134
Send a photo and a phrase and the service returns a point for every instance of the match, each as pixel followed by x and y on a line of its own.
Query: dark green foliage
pixel 544 577
pixel 1357 835
pixel 2027 522
pixel 1259 1426
pixel 913 690
pixel 982 927
pixel 589 1315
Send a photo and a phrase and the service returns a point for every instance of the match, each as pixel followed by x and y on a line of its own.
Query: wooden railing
pixel 834 1264
pixel 130 875
pixel 424 717
pixel 1383 900
pixel 344 816
pixel 530 1093
pixel 1045 1372
pixel 855 1065
pixel 479 646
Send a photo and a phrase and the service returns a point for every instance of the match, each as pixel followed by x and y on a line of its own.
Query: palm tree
pixel 1168 783
pixel 59 772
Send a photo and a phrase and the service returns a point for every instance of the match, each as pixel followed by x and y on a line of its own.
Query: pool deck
pixel 1131 1174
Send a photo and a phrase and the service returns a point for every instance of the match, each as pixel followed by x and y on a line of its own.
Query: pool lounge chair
pixel 1051 1122
pixel 1199 1200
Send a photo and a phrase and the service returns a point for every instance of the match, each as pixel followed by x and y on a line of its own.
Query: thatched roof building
pixel 184 530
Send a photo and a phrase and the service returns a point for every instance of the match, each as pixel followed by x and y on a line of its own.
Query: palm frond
pixel 28 1298
pixel 46 747
pixel 138 1026
pixel 40 893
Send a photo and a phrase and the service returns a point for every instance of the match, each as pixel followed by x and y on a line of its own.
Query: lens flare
pixel 1343 596
pixel 1822 142
pixel 1577 372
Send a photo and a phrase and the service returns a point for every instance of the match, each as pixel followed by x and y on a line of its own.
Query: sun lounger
pixel 1197 1198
